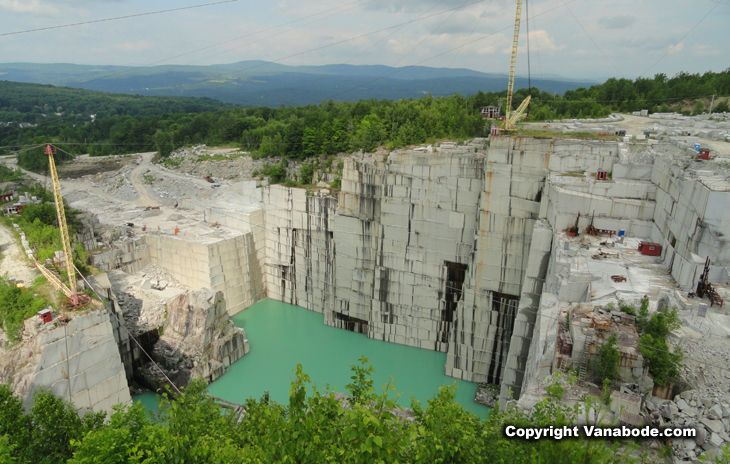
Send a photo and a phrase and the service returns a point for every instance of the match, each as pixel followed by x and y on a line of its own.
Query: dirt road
pixel 14 263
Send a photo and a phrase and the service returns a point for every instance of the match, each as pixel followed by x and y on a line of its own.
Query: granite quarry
pixel 459 248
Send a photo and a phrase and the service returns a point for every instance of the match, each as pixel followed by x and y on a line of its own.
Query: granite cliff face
pixel 196 340
pixel 77 359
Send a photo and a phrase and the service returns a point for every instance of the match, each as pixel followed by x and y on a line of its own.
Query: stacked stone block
pixel 515 170
pixel 300 251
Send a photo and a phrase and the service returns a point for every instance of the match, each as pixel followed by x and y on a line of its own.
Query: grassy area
pixel 574 174
pixel 171 162
pixel 220 157
pixel 17 305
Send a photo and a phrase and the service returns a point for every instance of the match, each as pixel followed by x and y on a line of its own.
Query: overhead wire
pixel 391 34
pixel 479 20
pixel 680 40
pixel 430 33
pixel 137 15
pixel 229 41
pixel 447 51
pixel 591 39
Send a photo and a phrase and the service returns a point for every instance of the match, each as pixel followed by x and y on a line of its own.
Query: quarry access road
pixel 144 196
pixel 14 262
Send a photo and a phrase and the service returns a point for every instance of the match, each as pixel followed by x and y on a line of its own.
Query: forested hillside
pixel 36 103
pixel 262 83
pixel 132 124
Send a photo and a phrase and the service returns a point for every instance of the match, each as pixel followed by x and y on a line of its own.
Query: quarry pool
pixel 283 335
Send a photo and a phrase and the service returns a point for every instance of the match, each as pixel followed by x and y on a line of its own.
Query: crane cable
pixel 529 75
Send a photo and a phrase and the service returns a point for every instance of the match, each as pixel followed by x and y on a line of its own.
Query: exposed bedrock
pixel 197 339
pixel 77 359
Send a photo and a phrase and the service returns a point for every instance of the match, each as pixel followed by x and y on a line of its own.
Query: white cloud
pixel 134 46
pixel 676 48
pixel 539 40
pixel 34 7
pixel 704 50
pixel 617 22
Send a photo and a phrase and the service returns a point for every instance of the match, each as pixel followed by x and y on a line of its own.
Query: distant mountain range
pixel 261 83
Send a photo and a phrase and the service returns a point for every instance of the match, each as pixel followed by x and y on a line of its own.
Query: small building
pixel 650 249
pixel 46 316
pixel 490 112
pixel 704 154
pixel 7 197
pixel 13 208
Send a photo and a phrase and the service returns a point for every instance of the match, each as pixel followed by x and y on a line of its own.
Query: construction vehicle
pixel 74 299
pixel 573 231
pixel 705 288
pixel 510 119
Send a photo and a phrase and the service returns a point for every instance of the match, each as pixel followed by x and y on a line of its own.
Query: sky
pixel 571 38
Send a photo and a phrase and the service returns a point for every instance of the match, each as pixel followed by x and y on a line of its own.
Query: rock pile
pixel 708 414
pixel 487 395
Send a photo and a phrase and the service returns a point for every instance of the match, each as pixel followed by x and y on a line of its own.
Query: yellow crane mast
pixel 75 300
pixel 511 118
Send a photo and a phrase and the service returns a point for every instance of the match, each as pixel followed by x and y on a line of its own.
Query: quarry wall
pixel 232 265
pixel 77 360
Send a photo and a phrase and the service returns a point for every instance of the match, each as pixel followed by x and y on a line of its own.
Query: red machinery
pixel 650 249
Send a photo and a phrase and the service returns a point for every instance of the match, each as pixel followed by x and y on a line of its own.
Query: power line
pixel 117 18
pixel 348 39
pixel 479 20
pixel 55 121
pixel 391 34
pixel 447 51
pixel 683 37
pixel 233 40
pixel 591 39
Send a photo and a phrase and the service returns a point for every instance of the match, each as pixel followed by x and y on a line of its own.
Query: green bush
pixel 306 173
pixel 17 305
pixel 276 173
pixel 607 365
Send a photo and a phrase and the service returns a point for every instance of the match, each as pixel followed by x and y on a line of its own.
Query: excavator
pixel 74 299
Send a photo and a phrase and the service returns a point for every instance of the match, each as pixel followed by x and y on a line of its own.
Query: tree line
pixel 40 103
pixel 333 127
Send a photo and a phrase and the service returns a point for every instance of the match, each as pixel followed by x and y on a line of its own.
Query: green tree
pixel 607 365
pixel 721 107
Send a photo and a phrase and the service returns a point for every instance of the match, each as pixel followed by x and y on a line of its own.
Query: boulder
pixel 649 406
pixel 715 412
pixel 701 436
pixel 716 440
pixel 713 425
pixel 682 405
pixel 711 454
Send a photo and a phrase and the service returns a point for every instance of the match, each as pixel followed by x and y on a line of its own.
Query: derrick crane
pixel 510 118
pixel 75 299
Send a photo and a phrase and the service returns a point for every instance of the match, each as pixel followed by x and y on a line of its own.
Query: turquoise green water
pixel 283 335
